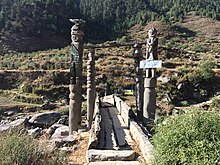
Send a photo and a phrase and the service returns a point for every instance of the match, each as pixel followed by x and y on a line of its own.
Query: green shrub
pixel 206 70
pixel 203 73
pixel 200 48
pixel 26 87
pixel 215 104
pixel 20 149
pixel 192 138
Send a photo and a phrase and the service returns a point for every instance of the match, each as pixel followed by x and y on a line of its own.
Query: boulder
pixel 63 120
pixel 65 141
pixel 36 132
pixel 50 131
pixel 60 132
pixel 45 119
pixel 12 111
pixel 13 124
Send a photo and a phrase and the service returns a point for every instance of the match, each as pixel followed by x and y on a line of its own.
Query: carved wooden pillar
pixel 139 87
pixel 76 74
pixel 150 80
pixel 90 87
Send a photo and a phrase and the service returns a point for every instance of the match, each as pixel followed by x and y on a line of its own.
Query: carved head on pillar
pixel 76 49
pixel 152 33
pixel 77 30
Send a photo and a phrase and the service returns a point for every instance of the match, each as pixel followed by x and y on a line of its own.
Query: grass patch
pixel 21 149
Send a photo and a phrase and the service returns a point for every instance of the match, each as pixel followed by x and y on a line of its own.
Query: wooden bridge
pixel 114 134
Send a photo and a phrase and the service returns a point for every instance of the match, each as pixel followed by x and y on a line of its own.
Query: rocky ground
pixel 51 129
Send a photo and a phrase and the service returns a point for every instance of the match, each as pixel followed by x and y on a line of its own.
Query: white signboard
pixel 151 64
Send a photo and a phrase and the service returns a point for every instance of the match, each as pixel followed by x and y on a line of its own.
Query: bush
pixel 191 138
pixel 20 149
pixel 26 87
pixel 200 48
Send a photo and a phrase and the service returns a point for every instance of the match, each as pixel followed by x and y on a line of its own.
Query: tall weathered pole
pixel 139 87
pixel 90 87
pixel 76 74
pixel 150 80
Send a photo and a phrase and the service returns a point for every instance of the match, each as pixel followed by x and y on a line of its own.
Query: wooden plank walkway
pixel 113 133
pixel 112 143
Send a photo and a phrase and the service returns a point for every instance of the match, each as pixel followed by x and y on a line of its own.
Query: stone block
pixel 115 163
pixel 110 155
pixel 147 149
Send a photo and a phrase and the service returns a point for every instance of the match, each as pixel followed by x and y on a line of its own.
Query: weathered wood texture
pixel 113 134
pixel 95 128
pixel 117 126
pixel 75 95
pixel 139 85
pixel 123 109
pixel 145 146
pixel 109 136
pixel 90 87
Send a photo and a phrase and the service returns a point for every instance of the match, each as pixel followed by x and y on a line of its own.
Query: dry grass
pixel 79 155
pixel 205 27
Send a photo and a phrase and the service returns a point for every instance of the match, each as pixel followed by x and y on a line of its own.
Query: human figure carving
pixel 75 87
pixel 151 51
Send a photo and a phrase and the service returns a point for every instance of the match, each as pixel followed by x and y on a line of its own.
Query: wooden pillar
pixel 150 80
pixel 139 85
pixel 75 87
pixel 91 92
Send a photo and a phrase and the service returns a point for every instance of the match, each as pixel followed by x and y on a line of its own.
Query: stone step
pixel 110 155
pixel 115 163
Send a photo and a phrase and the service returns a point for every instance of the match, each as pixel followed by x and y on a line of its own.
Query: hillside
pixel 182 46
pixel 41 25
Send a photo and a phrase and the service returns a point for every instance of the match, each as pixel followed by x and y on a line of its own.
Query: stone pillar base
pixel 149 99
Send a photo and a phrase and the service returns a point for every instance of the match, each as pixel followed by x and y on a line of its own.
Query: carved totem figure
pixel 151 51
pixel 76 74
pixel 139 87
pixel 90 87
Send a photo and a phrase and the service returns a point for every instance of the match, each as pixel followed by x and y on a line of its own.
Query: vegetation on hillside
pixel 34 17
pixel 118 16
pixel 38 18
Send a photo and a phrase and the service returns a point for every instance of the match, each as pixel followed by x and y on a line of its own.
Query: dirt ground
pixel 79 155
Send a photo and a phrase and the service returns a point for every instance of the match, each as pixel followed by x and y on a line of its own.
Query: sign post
pixel 150 81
